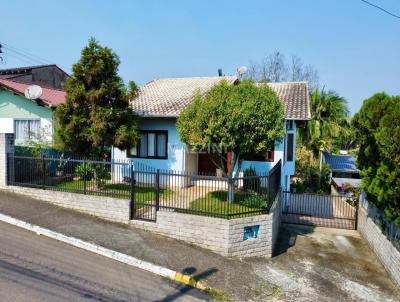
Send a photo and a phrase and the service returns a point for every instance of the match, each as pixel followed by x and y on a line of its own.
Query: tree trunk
pixel 231 182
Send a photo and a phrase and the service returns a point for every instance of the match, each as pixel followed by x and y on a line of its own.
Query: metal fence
pixel 149 190
pixel 388 228
pixel 337 211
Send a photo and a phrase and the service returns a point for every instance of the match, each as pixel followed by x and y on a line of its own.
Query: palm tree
pixel 329 115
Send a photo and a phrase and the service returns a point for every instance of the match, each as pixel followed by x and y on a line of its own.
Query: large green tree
pixel 377 128
pixel 243 118
pixel 96 114
pixel 329 114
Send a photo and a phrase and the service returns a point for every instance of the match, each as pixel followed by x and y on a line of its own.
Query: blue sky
pixel 355 48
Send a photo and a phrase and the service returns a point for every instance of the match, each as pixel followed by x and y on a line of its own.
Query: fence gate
pixel 145 194
pixel 333 211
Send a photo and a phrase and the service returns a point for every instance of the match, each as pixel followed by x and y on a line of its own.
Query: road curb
pixel 94 248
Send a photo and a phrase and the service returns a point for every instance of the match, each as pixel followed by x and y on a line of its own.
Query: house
pixel 161 101
pixel 345 175
pixel 50 76
pixel 27 119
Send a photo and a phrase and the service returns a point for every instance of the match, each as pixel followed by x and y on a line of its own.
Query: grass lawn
pixel 216 203
pixel 120 190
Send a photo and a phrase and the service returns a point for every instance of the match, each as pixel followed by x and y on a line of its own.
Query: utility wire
pixel 382 9
pixel 19 54
pixel 24 52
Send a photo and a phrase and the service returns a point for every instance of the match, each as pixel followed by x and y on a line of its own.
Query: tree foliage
pixel 96 114
pixel 308 178
pixel 329 121
pixel 242 118
pixel 377 128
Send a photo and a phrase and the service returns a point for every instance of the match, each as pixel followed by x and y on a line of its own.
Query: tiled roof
pixel 50 96
pixel 345 163
pixel 168 97
pixel 295 97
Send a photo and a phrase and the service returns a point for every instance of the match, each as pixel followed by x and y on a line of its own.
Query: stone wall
pixel 225 237
pixel 112 209
pixel 383 248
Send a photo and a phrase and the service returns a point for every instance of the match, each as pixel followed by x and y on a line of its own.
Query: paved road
pixel 36 268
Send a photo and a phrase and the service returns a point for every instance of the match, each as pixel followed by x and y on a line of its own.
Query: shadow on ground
pixel 325 264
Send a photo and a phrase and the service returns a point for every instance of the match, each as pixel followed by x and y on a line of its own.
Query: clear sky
pixel 355 48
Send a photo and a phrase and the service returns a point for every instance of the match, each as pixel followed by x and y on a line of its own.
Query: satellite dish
pixel 33 92
pixel 241 70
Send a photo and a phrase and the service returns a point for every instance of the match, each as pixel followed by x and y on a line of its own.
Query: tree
pixel 329 112
pixel 96 114
pixel 243 118
pixel 377 128
pixel 274 68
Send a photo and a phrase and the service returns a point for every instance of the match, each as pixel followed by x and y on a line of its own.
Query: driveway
pixel 321 264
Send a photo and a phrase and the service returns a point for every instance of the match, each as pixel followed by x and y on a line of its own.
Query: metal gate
pixel 335 211
pixel 145 197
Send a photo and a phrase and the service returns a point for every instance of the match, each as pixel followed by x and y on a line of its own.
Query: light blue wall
pixel 175 160
pixel 264 167
pixel 176 152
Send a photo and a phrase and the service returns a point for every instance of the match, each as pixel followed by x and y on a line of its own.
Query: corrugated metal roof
pixel 346 163
pixel 340 182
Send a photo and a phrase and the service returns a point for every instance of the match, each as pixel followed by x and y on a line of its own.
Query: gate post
pixel 132 199
pixel 356 218
pixel 6 148
pixel 157 190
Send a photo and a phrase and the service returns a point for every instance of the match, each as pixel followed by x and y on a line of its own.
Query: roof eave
pixel 48 104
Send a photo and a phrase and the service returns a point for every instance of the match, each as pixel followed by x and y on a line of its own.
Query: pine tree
pixel 96 114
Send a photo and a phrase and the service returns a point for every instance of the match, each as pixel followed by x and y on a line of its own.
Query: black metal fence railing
pixel 149 190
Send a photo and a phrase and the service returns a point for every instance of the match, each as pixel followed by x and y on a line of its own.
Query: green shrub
pixel 84 171
pixel 252 183
pixel 101 174
pixel 254 200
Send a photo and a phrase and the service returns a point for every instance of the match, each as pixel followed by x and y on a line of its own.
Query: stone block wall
pixel 223 236
pixel 382 247
pixel 112 209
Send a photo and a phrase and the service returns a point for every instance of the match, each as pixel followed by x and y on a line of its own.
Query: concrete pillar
pixel 6 146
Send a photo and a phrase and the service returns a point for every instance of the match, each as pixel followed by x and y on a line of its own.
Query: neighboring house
pixel 345 175
pixel 50 76
pixel 27 119
pixel 161 101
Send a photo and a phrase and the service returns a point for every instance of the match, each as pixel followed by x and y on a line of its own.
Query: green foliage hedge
pixel 377 128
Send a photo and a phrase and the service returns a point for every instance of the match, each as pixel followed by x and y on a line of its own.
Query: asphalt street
pixel 36 268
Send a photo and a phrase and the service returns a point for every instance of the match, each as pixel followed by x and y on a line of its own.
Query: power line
pixel 19 54
pixel 382 9
pixel 24 53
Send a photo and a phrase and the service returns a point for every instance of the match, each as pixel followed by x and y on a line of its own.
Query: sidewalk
pixel 229 276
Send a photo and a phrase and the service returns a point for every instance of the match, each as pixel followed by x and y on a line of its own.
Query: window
pixel 152 144
pixel 268 156
pixel 289 125
pixel 290 145
pixel 26 129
